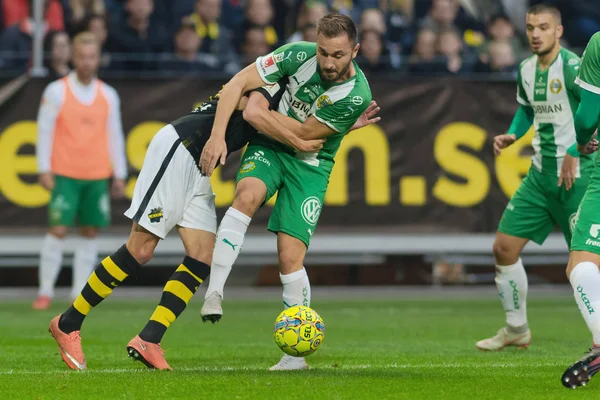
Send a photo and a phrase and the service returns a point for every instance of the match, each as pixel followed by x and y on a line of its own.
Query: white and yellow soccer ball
pixel 299 331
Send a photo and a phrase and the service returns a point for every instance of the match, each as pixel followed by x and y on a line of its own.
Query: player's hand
pixel 47 180
pixel 118 188
pixel 309 146
pixel 502 142
pixel 589 148
pixel 568 171
pixel 368 117
pixel 215 150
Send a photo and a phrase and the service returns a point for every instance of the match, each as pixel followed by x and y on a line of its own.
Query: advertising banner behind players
pixel 428 166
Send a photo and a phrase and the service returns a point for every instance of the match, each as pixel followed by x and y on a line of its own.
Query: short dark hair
pixel 546 8
pixel 334 25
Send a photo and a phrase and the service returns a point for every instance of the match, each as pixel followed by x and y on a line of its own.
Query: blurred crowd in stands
pixel 176 37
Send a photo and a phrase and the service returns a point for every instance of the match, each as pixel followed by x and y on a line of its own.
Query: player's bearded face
pixel 334 56
pixel 543 33
pixel 86 59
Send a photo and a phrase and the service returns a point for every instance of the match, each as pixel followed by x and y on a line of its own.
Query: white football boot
pixel 289 363
pixel 211 309
pixel 504 339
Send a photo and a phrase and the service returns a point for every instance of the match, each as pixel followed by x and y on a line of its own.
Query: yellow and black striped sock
pixel 109 274
pixel 177 293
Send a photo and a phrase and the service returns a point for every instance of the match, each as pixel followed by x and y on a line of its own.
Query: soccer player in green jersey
pixel 582 269
pixel 326 94
pixel 554 186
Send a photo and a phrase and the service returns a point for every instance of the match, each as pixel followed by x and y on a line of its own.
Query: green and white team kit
pixel 301 179
pixel 586 235
pixel 539 204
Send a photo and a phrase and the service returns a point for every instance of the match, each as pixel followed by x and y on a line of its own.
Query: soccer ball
pixel 299 331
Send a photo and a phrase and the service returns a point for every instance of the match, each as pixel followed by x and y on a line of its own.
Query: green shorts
pixel 89 201
pixel 301 189
pixel 586 235
pixel 540 204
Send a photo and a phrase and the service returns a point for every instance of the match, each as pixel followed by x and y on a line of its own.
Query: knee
pixel 289 262
pixel 569 270
pixel 142 252
pixel 504 253
pixel 58 231
pixel 247 200
pixel 89 233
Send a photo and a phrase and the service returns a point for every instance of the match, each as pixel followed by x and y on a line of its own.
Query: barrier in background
pixel 427 167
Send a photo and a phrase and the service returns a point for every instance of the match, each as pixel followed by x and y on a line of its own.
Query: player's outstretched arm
pixel 313 129
pixel 521 123
pixel 369 117
pixel 258 115
pixel 229 97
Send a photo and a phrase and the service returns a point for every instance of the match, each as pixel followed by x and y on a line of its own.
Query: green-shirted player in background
pixel 326 94
pixel 555 184
pixel 584 261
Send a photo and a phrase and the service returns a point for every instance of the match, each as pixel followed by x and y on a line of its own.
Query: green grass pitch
pixel 374 348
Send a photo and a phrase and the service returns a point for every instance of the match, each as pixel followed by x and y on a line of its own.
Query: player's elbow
pixel 255 108
pixel 251 113
pixel 584 124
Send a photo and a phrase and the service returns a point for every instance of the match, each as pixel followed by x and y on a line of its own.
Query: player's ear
pixel 559 31
pixel 355 51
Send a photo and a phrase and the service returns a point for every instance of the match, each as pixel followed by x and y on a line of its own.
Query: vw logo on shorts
pixel 311 209
pixel 573 221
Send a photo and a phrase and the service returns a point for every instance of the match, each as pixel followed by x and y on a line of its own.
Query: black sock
pixel 177 293
pixel 109 274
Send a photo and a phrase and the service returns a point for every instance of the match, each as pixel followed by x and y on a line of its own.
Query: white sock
pixel 84 262
pixel 296 289
pixel 228 244
pixel 50 264
pixel 511 281
pixel 585 280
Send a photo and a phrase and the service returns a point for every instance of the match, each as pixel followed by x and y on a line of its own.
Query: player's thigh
pixel 527 214
pixel 264 164
pixel 94 207
pixel 564 208
pixel 198 224
pixel 299 201
pixel 64 201
pixel 586 234
pixel 165 184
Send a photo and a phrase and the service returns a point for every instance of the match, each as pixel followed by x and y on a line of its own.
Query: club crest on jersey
pixel 324 101
pixel 247 167
pixel 556 86
pixel 156 214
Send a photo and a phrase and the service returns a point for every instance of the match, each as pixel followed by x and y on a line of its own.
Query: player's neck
pixel 351 72
pixel 83 80
pixel 547 59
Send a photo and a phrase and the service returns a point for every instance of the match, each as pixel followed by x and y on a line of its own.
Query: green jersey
pixel 335 104
pixel 554 97
pixel 589 74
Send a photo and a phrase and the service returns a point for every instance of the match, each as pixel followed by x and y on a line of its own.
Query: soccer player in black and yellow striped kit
pixel 170 192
